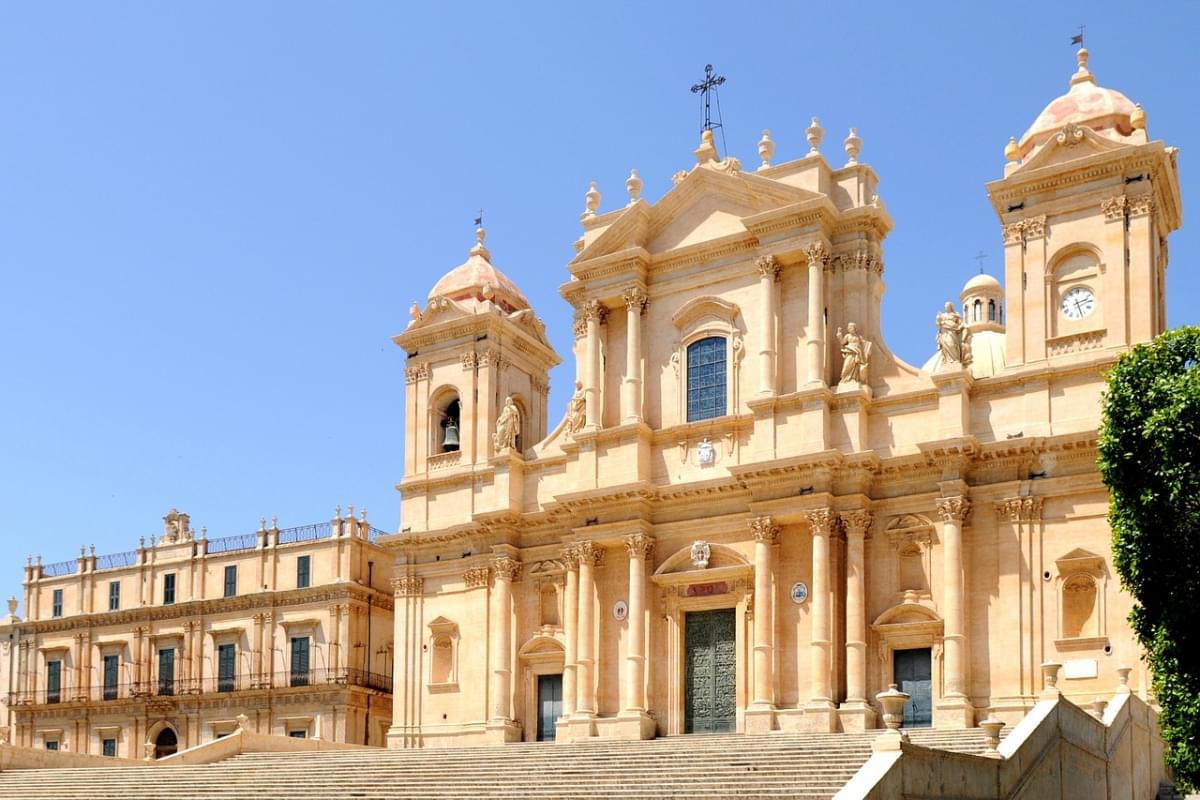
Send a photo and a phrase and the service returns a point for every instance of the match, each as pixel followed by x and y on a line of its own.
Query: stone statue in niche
pixel 576 409
pixel 508 426
pixel 700 554
pixel 856 355
pixel 953 338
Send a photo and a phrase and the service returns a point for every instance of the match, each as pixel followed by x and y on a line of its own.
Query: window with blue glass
pixel 303 572
pixel 110 747
pixel 706 379
pixel 300 648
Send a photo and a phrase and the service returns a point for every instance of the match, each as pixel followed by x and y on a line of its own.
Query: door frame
pixel 543 654
pixel 909 626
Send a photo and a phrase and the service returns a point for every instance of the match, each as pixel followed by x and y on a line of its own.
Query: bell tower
pixel 475 348
pixel 1086 204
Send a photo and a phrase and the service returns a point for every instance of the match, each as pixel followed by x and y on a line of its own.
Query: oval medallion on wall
pixel 620 610
pixel 799 592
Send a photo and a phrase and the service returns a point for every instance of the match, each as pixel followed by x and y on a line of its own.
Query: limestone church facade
pixel 753 516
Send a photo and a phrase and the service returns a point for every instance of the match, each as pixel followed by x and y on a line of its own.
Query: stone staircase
pixel 793 765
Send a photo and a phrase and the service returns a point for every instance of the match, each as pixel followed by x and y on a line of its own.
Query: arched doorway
pixel 166 743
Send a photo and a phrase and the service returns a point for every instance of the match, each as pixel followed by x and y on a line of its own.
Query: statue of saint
pixel 508 425
pixel 953 338
pixel 856 355
pixel 576 409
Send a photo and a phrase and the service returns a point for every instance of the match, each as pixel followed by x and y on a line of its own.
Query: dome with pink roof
pixel 1106 111
pixel 476 280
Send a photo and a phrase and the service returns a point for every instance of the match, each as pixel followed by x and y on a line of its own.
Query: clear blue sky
pixel 214 215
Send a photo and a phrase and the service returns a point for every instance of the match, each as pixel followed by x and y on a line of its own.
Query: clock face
pixel 1078 303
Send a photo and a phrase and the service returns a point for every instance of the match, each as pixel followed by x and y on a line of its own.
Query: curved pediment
pixel 720 556
pixel 541 644
pixel 701 307
pixel 907 614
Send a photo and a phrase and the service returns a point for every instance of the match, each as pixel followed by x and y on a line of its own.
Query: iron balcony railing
pixel 240 682
pixel 229 544
pixel 117 560
pixel 60 568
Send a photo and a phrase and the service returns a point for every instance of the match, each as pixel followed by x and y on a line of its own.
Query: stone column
pixel 856 713
pixel 760 715
pixel 768 272
pixel 585 688
pixel 818 257
pixel 820 713
pixel 635 306
pixel 506 570
pixel 955 710
pixel 594 313
pixel 639 548
pixel 570 630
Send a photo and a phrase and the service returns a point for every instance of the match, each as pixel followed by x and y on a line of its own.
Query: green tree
pixel 1150 462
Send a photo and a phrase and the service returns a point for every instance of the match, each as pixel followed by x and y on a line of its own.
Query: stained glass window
pixel 706 379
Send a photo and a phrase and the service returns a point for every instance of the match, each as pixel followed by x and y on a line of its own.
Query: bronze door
pixel 710 671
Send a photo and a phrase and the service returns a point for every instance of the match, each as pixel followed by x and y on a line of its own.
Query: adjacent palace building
pixel 752 516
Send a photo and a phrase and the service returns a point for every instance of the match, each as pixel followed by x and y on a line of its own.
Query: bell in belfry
pixel 450 440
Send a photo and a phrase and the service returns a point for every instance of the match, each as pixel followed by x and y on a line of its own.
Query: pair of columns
pixel 594 313
pixel 769 271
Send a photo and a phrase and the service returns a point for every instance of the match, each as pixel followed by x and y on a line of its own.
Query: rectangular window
pixel 56 604
pixel 231 580
pixel 166 671
pixel 300 675
pixel 52 744
pixel 111 673
pixel 706 379
pixel 298 733
pixel 110 747
pixel 226 667
pixel 303 572
pixel 114 596
pixel 168 589
pixel 53 681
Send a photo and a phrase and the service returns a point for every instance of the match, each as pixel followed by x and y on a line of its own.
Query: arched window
pixel 978 311
pixel 706 378
pixel 991 310
pixel 449 425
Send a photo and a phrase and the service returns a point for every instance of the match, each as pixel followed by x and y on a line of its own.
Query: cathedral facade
pixel 753 516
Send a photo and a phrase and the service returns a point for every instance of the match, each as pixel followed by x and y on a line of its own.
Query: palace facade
pixel 143 653
pixel 753 515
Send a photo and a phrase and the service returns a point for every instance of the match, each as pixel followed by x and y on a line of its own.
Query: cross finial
pixel 707 89
pixel 979 257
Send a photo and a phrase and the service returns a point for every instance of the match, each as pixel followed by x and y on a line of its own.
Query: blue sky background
pixel 214 215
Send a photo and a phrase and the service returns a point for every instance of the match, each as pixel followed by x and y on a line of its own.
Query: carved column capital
pixel 1020 509
pixel 570 557
pixel 954 509
pixel 417 372
pixel 1141 206
pixel 818 254
pixel 635 299
pixel 764 529
pixel 470 361
pixel 408 586
pixel 822 521
pixel 1114 208
pixel 588 552
pixel 477 577
pixel 593 309
pixel 768 267
pixel 639 545
pixel 579 326
pixel 1034 227
pixel 507 569
pixel 1014 233
pixel 856 522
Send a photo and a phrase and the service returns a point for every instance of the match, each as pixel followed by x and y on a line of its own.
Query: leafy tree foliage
pixel 1150 462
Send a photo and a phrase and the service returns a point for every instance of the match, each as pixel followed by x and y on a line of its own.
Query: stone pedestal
pixel 634 725
pixel 856 716
pixel 760 720
pixel 954 712
pixel 820 716
pixel 502 732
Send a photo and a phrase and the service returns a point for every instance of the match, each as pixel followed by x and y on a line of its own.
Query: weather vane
pixel 707 89
pixel 1078 38
pixel 479 219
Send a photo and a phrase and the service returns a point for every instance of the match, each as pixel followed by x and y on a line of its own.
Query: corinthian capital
pixel 635 299
pixel 639 545
pixel 768 267
pixel 818 254
pixel 1020 509
pixel 857 522
pixel 593 309
pixel 588 553
pixel 764 529
pixel 954 509
pixel 570 557
pixel 822 521
pixel 506 569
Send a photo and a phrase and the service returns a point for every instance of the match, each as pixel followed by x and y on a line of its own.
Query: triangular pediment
pixel 1072 143
pixel 708 203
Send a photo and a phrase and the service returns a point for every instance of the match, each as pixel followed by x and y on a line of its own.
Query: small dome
pixel 981 283
pixel 476 280
pixel 1106 111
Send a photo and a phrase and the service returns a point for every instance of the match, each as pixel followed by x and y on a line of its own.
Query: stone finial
pixel 203 533
pixel 853 145
pixel 1050 678
pixel 363 514
pixel 1123 679
pixel 766 149
pixel 707 151
pixel 414 312
pixel 591 200
pixel 1011 151
pixel 274 522
pixel 893 702
pixel 12 605
pixel 83 551
pixel 1097 706
pixel 991 736
pixel 633 185
pixel 243 722
pixel 814 133
pixel 1083 74
pixel 262 524
pixel 478 249
pixel 1137 118
pixel 337 511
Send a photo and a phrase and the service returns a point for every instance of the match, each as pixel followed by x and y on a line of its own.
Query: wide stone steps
pixel 804 766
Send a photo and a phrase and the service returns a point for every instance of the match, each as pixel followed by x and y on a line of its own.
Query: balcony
pixel 287 681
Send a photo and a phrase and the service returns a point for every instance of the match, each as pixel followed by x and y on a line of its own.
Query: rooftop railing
pixel 117 560
pixel 60 568
pixel 230 544
pixel 304 533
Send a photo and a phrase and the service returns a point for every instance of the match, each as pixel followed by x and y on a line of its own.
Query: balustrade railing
pixel 305 533
pixel 229 544
pixel 60 568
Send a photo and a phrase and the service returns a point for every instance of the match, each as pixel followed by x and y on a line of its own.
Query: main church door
pixel 549 700
pixel 913 675
pixel 710 671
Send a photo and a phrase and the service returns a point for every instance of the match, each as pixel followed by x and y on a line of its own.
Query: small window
pixel 111 673
pixel 166 671
pixel 978 311
pixel 109 747
pixel 114 596
pixel 57 603
pixel 303 572
pixel 168 589
pixel 299 672
pixel 53 681
pixel 231 580
pixel 226 668
pixel 298 733
pixel 991 310
pixel 52 744
pixel 706 379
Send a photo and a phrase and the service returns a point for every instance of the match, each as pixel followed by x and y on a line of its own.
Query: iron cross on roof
pixel 704 88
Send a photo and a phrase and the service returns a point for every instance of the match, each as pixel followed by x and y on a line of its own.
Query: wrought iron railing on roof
pixel 60 568
pixel 304 533
pixel 228 544
pixel 374 533
pixel 117 560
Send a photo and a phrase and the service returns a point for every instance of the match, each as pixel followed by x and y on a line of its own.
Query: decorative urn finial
pixel 633 185
pixel 853 145
pixel 1011 151
pixel 814 134
pixel 766 149
pixel 591 201
pixel 1137 119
